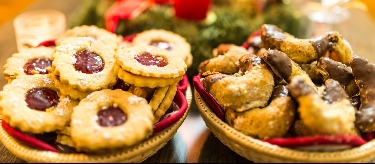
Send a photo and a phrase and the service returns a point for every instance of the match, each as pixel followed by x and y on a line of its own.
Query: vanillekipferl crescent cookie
pixel 34 105
pixel 148 66
pixel 166 40
pixel 32 61
pixel 84 64
pixel 110 119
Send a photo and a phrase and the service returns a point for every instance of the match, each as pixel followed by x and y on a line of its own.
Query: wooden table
pixel 193 141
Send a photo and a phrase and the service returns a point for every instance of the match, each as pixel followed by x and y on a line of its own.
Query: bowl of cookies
pixel 92 96
pixel 278 98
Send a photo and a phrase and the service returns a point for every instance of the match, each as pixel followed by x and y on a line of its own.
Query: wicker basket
pixel 137 153
pixel 258 151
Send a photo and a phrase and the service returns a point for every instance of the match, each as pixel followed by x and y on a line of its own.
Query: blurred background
pixel 228 21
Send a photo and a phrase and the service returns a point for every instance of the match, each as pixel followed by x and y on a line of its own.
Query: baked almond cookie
pixel 225 58
pixel 32 61
pixel 85 64
pixel 110 119
pixel 166 40
pixel 34 105
pixel 148 66
pixel 110 39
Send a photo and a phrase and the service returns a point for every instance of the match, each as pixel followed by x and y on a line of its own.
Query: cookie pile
pixel 281 86
pixel 96 92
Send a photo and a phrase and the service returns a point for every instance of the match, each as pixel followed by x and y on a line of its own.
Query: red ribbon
pixel 128 9
pixel 124 9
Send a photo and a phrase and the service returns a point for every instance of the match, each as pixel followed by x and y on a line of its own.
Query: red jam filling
pixel 120 84
pixel 110 117
pixel 37 66
pixel 161 44
pixel 88 62
pixel 148 59
pixel 42 98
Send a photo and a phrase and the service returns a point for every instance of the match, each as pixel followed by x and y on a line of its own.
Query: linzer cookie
pixel 166 40
pixel 166 103
pixel 33 104
pixel 148 66
pixel 158 97
pixel 109 119
pixel 84 64
pixel 66 89
pixel 32 61
pixel 110 39
pixel 144 92
pixel 63 137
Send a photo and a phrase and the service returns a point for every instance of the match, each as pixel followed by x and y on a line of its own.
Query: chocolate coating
pixel 299 87
pixel 364 73
pixel 336 70
pixel 320 45
pixel 272 36
pixel 247 62
pixel 279 91
pixel 279 62
pixel 334 91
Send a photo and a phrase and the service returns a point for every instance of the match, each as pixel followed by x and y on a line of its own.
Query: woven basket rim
pixel 149 146
pixel 275 152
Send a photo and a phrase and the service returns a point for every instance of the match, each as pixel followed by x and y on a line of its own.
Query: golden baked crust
pixel 144 92
pixel 166 103
pixel 159 63
pixel 65 140
pixel 16 111
pixel 226 56
pixel 89 136
pixel 14 65
pixel 143 81
pixel 272 121
pixel 68 90
pixel 302 51
pixel 166 40
pixel 329 114
pixel 110 39
pixel 64 59
pixel 158 97
pixel 242 92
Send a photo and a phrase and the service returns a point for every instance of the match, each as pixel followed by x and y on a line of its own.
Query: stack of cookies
pixel 96 93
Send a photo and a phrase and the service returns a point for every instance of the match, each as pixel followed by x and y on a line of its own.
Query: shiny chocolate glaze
pixel 279 62
pixel 364 73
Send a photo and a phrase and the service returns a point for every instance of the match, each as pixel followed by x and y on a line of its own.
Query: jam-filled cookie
pixel 34 105
pixel 68 90
pixel 166 103
pixel 155 96
pixel 148 66
pixel 65 140
pixel 158 97
pixel 110 119
pixel 166 40
pixel 63 137
pixel 32 61
pixel 100 34
pixel 85 64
